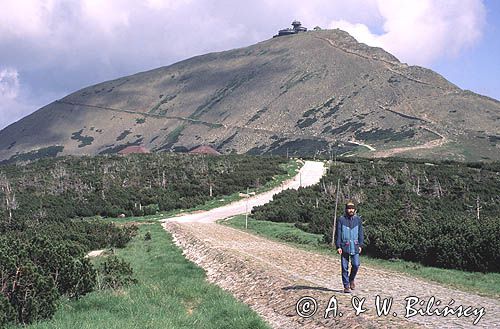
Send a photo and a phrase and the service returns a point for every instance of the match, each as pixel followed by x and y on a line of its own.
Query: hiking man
pixel 349 241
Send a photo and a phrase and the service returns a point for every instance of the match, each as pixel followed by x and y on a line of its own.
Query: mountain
pixel 309 93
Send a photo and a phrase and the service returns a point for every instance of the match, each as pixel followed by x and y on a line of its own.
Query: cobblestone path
pixel 272 277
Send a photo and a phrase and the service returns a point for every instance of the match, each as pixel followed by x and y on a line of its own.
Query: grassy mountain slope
pixel 306 93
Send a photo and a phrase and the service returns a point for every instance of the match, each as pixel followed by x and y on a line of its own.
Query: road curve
pixel 309 174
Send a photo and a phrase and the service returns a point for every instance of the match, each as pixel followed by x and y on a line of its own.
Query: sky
pixel 50 48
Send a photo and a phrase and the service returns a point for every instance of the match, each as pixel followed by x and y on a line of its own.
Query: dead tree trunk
pixel 9 203
pixel 478 207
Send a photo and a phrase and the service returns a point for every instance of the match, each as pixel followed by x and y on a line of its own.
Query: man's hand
pixel 339 251
pixel 360 250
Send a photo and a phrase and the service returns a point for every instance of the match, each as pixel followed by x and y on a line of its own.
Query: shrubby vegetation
pixel 39 265
pixel 73 187
pixel 412 210
pixel 114 273
pixel 44 238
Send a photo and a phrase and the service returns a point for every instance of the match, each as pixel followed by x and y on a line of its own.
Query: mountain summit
pixel 306 93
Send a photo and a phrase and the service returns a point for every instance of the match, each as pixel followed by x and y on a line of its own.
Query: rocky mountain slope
pixel 314 92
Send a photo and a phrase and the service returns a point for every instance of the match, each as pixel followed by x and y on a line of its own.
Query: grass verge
pixel 486 284
pixel 172 293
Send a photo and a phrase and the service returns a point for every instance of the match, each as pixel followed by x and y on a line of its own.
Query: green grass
pixel 172 293
pixel 276 231
pixel 486 284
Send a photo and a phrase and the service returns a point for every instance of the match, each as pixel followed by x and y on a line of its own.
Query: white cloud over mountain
pixel 12 107
pixel 420 32
pixel 59 46
pixel 9 83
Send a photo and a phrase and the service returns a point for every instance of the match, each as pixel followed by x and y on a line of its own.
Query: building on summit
pixel 297 27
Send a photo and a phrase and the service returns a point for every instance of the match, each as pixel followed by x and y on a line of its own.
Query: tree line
pixel 136 185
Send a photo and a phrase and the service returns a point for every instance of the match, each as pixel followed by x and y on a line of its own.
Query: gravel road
pixel 310 174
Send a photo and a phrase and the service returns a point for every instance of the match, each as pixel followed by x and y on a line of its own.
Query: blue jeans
pixel 346 277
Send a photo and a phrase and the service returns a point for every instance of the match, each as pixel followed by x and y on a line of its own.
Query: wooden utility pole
pixel 335 213
pixel 246 211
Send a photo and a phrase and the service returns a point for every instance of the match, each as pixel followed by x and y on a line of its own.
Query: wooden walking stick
pixel 335 214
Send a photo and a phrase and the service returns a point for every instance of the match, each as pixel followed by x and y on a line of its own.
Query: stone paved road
pixel 271 277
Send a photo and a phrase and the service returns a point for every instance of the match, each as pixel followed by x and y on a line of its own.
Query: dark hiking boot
pixel 352 285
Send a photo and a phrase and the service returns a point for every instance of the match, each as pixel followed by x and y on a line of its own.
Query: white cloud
pixel 170 4
pixel 421 32
pixel 9 83
pixel 12 107
pixel 24 18
pixel 105 16
pixel 359 31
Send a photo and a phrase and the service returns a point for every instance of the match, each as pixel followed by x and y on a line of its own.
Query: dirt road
pixel 309 174
pixel 429 145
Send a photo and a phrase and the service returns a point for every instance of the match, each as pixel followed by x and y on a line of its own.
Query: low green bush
pixel 115 273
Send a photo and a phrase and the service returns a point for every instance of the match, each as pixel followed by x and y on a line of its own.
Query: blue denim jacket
pixel 349 234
